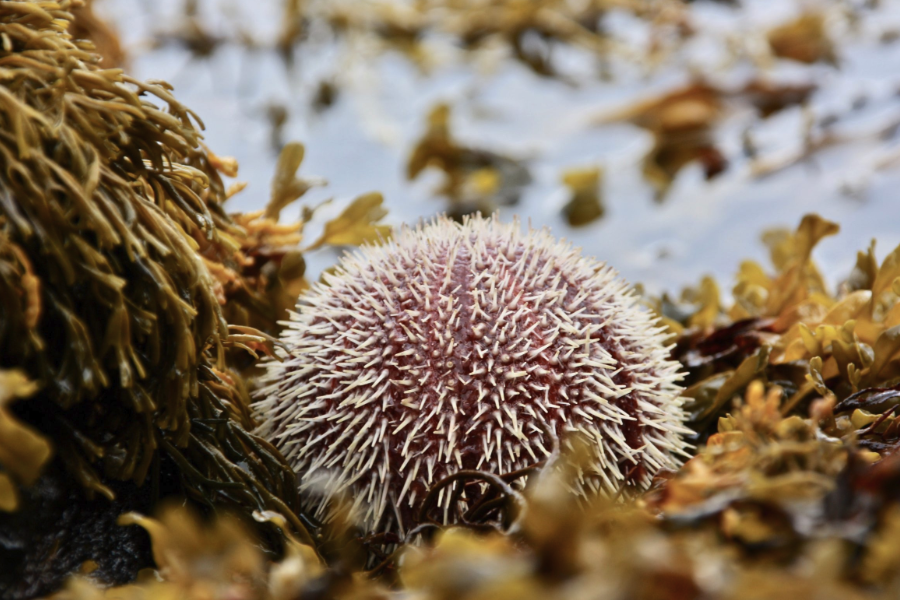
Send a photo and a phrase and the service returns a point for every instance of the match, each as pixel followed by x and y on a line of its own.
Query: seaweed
pixel 23 451
pixel 683 122
pixel 475 180
pixel 585 204
pixel 804 39
pixel 120 277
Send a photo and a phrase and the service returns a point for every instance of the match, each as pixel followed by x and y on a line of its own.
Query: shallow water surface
pixel 361 143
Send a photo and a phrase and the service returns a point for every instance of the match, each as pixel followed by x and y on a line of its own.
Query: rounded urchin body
pixel 470 346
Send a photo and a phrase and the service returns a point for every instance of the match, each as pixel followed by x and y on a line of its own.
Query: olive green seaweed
pixel 112 237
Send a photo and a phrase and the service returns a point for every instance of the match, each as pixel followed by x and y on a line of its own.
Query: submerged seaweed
pixel 475 180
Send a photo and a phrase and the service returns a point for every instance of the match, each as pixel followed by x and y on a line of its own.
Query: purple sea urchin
pixel 467 346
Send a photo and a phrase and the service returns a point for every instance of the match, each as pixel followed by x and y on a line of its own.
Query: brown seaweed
pixel 475 180
pixel 113 246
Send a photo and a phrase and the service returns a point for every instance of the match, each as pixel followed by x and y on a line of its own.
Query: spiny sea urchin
pixel 468 346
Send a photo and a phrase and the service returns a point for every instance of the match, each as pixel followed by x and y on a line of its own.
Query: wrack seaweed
pixel 113 245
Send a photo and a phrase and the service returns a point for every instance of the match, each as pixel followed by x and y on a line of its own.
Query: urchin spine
pixel 467 346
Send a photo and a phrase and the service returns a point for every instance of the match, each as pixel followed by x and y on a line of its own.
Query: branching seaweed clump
pixel 118 266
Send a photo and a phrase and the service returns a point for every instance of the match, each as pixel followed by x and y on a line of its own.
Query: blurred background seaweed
pixel 711 121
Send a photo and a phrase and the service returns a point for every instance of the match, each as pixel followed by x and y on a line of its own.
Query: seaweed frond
pixel 113 241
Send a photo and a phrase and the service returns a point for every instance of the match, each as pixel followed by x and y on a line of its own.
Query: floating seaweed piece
pixel 682 124
pixel 474 180
pixel 192 33
pixel 769 97
pixel 531 30
pixel 804 40
pixel 585 205
pixel 327 93
pixel 293 29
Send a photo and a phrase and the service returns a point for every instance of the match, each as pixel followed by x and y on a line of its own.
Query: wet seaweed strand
pixel 110 218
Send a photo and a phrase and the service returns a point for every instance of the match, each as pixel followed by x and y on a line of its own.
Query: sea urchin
pixel 470 346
